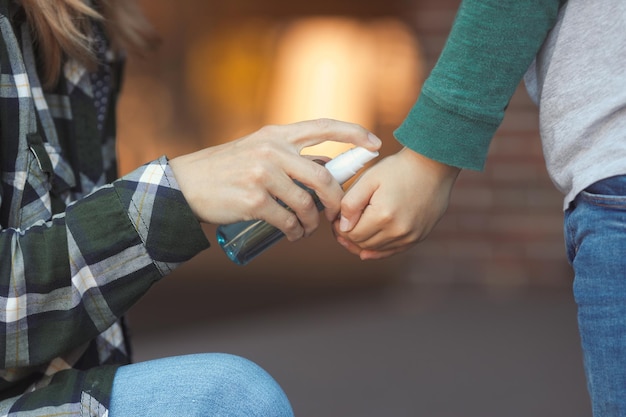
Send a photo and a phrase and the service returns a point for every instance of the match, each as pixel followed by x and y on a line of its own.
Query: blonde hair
pixel 62 29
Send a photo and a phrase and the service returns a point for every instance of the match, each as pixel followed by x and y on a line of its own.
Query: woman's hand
pixel 242 179
pixel 393 205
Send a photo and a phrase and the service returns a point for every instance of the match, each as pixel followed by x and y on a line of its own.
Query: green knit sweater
pixel 462 102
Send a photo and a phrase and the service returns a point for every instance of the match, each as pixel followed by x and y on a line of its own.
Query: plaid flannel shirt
pixel 77 248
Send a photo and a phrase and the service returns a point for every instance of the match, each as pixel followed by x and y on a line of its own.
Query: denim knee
pixel 203 384
pixel 250 389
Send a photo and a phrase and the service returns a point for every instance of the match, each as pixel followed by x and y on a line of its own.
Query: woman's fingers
pixel 246 178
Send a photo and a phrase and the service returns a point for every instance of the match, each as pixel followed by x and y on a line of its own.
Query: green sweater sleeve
pixel 462 102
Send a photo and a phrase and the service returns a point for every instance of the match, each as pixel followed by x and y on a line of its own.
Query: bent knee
pixel 201 384
pixel 247 388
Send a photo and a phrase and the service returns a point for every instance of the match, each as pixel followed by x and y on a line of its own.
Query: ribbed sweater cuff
pixel 446 136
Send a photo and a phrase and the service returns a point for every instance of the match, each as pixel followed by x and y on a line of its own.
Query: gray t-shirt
pixel 578 80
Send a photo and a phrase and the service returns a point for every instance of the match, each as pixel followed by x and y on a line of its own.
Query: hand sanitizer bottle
pixel 245 240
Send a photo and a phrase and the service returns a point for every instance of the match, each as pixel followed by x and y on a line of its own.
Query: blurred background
pixel 476 321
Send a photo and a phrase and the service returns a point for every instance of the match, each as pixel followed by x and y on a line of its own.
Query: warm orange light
pixel 247 73
pixel 346 69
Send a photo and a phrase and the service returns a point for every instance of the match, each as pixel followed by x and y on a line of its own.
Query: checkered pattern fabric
pixel 77 247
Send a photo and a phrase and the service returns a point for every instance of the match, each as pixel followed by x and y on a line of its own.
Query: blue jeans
pixel 595 234
pixel 216 385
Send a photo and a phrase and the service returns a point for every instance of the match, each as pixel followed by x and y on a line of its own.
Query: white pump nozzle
pixel 345 165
